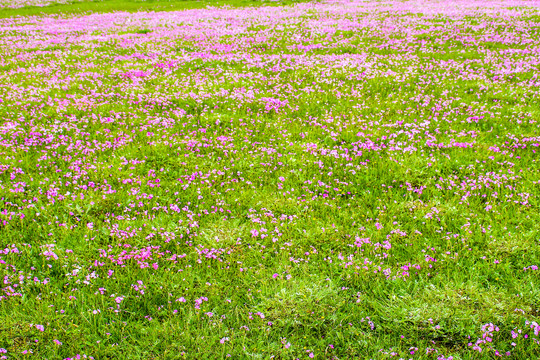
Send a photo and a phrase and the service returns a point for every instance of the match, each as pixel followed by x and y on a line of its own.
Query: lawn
pixel 269 180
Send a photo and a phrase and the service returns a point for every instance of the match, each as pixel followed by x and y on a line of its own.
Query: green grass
pixel 268 182
pixel 106 6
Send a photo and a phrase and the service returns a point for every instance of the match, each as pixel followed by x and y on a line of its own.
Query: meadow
pixel 270 180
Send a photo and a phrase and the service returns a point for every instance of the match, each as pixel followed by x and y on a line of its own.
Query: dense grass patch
pixel 315 180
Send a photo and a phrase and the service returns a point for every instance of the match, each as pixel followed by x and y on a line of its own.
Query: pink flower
pixel 40 327
pixel 50 254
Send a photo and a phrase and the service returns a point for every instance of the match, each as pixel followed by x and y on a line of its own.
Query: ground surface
pixel 340 180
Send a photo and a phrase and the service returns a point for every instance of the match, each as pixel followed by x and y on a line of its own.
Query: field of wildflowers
pixel 328 180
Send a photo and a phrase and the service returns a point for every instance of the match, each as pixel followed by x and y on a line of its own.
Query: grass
pixel 328 181
pixel 106 6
